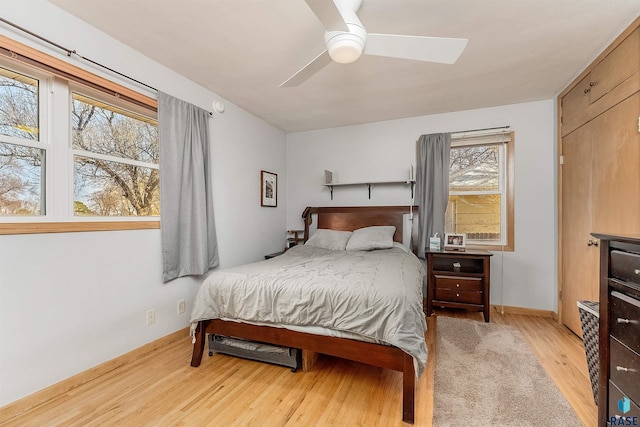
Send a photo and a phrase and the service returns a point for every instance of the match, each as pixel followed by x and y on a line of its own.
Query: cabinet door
pixel 600 193
pixel 616 169
pixel 616 67
pixel 579 260
pixel 575 105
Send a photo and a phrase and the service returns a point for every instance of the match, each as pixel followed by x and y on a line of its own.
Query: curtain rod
pixel 496 129
pixel 70 52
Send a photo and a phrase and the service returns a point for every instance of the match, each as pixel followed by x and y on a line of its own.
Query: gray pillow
pixel 370 238
pixel 329 239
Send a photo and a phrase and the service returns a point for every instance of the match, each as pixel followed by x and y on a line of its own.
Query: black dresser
pixel 619 334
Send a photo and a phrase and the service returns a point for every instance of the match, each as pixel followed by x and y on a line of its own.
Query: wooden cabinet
pixel 458 280
pixel 600 191
pixel 622 63
pixel 599 176
pixel 575 106
pixel 616 75
pixel 619 332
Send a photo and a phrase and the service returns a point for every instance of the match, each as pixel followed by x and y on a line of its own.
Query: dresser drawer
pixel 452 295
pixel 625 266
pixel 625 320
pixel 617 406
pixel 459 283
pixel 625 369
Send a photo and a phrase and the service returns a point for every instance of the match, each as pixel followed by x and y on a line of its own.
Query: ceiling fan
pixel 347 39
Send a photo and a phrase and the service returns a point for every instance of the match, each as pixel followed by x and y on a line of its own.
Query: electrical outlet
pixel 151 317
pixel 182 306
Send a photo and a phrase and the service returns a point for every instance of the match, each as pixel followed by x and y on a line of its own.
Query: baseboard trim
pixel 38 398
pixel 523 311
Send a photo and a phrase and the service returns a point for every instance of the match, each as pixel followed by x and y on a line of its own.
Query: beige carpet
pixel 487 375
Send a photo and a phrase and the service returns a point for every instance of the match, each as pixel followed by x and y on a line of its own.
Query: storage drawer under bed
pixel 261 352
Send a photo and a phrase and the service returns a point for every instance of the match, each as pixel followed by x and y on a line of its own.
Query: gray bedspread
pixel 376 295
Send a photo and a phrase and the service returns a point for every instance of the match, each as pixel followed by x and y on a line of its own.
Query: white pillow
pixel 329 239
pixel 369 238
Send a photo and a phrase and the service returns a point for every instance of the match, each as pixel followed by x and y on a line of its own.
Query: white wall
pixel 384 150
pixel 71 301
pixel 74 300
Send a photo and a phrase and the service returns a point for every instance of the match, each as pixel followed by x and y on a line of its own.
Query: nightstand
pixel 458 280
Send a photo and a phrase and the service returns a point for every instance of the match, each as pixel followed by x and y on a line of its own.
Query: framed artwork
pixel 268 189
pixel 455 241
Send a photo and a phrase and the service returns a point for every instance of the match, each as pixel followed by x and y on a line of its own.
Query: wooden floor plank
pixel 160 388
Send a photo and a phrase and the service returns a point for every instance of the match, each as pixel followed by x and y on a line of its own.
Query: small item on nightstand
pixel 456 266
pixel 434 243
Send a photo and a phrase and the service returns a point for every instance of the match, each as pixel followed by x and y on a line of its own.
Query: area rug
pixel 487 375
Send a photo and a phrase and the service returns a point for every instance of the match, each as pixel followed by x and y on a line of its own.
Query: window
pixel 22 155
pixel 75 148
pixel 481 190
pixel 115 157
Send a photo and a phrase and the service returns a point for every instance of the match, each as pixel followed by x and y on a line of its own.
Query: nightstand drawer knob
pixel 457 295
pixel 457 285
pixel 623 369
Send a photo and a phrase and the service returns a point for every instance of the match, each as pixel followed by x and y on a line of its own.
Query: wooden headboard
pixel 349 218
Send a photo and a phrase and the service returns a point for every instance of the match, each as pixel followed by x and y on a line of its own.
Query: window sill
pixel 74 227
pixel 494 248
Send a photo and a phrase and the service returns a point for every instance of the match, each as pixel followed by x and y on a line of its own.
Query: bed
pixel 358 304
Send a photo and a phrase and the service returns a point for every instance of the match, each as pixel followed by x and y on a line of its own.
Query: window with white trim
pixel 115 160
pixel 480 189
pixel 23 151
pixel 101 161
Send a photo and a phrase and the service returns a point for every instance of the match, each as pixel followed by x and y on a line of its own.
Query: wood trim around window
pixel 73 227
pixel 34 58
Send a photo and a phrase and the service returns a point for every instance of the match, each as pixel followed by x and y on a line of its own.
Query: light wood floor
pixel 161 389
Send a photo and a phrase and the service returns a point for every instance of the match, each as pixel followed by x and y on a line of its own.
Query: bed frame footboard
pixel 379 355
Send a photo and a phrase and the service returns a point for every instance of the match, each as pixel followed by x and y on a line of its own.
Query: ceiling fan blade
pixel 328 14
pixel 420 48
pixel 308 70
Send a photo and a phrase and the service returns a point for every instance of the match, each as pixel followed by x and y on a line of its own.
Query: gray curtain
pixel 432 186
pixel 189 245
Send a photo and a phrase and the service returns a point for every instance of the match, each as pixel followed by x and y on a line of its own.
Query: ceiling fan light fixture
pixel 345 48
pixel 345 51
pixel 347 39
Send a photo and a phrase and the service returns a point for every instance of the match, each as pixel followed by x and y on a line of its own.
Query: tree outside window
pixel 116 158
pixel 114 151
pixel 21 162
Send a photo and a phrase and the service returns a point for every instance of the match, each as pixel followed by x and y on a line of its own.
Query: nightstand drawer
pixel 458 283
pixel 625 266
pixel 618 405
pixel 452 295
pixel 625 320
pixel 625 369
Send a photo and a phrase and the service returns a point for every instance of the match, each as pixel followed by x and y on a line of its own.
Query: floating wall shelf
pixel 328 177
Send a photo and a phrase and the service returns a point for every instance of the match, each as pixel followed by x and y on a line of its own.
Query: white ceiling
pixel 518 51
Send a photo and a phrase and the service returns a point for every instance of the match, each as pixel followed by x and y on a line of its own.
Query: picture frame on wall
pixel 455 241
pixel 268 189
